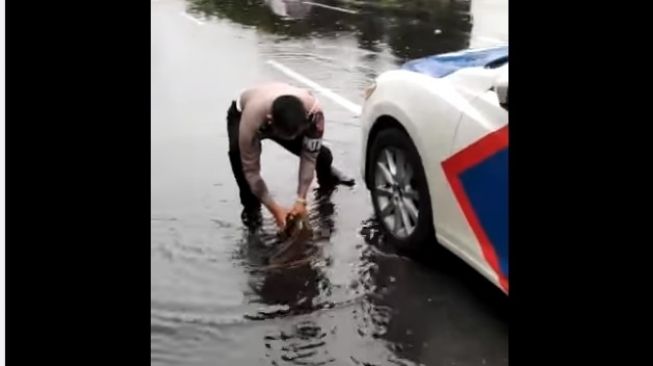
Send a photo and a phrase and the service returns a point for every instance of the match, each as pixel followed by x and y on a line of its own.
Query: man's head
pixel 288 116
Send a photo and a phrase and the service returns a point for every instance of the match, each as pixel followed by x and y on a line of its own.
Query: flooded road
pixel 357 302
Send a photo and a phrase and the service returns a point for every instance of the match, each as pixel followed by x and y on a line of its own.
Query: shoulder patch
pixel 312 144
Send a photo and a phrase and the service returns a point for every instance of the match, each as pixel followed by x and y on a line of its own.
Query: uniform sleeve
pixel 250 155
pixel 311 144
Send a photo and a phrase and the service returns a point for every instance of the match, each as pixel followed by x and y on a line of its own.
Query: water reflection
pixel 447 313
pixel 302 343
pixel 298 283
pixel 411 28
pixel 444 312
pixel 289 9
pixel 292 291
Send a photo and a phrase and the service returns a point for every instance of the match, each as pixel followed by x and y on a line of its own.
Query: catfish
pixel 296 242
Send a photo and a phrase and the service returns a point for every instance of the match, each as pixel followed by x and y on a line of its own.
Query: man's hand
pixel 279 213
pixel 299 208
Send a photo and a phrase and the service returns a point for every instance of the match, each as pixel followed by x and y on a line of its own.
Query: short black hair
pixel 288 114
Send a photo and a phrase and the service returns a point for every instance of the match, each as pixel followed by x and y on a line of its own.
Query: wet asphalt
pixel 358 303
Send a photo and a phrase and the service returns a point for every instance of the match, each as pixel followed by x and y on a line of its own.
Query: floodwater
pixel 357 302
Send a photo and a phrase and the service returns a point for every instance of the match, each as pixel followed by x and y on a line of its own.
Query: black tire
pixel 423 234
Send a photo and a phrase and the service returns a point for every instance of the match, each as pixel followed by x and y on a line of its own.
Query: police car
pixel 435 156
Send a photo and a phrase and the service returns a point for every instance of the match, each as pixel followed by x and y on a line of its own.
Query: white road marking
pixel 188 16
pixel 343 102
pixel 331 7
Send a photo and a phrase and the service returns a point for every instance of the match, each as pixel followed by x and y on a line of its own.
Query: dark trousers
pixel 247 198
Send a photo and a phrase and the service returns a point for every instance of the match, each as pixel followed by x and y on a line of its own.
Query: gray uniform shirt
pixel 255 105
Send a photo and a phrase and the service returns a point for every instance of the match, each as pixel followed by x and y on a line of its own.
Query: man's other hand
pixel 279 213
pixel 298 209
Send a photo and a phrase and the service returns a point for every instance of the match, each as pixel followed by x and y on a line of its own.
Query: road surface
pixel 360 303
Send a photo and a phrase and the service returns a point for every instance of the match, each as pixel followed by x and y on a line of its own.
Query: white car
pixel 435 156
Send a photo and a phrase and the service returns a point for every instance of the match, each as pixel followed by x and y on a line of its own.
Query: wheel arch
pixel 383 122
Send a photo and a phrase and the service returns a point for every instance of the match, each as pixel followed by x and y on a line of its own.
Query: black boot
pixel 340 178
pixel 252 217
pixel 332 178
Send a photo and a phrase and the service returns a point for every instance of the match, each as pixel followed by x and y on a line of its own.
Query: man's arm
pixel 306 169
pixel 250 154
pixel 311 144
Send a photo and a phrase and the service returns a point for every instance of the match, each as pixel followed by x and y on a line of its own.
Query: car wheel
pixel 399 191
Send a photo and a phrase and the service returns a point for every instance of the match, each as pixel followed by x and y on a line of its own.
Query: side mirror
pixel 501 87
